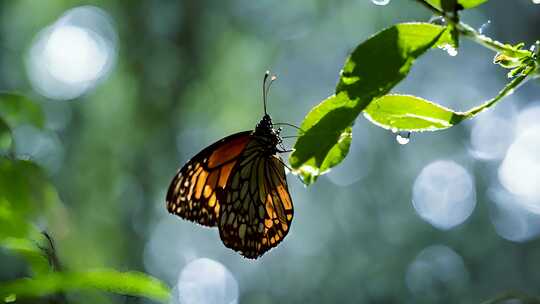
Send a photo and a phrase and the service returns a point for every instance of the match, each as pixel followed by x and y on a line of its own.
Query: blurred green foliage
pixel 27 196
pixel 127 283
pixel 187 73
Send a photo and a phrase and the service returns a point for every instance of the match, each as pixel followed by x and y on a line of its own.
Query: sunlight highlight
pixel 205 281
pixel 444 194
pixel 435 272
pixel 491 135
pixel 510 218
pixel 72 55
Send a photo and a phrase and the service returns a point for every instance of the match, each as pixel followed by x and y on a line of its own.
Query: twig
pixel 472 34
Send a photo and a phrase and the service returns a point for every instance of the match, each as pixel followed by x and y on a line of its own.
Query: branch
pixel 472 34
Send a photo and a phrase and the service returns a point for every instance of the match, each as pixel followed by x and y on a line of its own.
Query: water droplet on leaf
pixel 403 138
pixel 437 20
pixel 450 49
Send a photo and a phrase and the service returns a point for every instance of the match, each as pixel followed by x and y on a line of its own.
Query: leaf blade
pixel 127 283
pixel 410 113
pixel 312 156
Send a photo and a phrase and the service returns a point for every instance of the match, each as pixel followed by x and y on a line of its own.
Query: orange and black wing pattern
pixel 256 208
pixel 193 193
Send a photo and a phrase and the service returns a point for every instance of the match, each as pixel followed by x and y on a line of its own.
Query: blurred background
pixel 132 90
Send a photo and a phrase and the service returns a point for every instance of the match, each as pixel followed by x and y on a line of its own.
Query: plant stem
pixel 489 43
pixel 472 34
pixel 507 90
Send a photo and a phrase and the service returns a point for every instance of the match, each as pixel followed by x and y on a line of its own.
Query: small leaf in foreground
pixel 410 113
pixel 125 283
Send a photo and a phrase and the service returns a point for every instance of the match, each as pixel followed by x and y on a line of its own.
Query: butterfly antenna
pixel 266 87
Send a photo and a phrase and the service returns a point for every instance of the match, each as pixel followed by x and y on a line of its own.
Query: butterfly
pixel 238 185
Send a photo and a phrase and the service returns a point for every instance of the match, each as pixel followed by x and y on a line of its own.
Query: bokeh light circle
pixel 510 218
pixel 519 172
pixel 436 271
pixel 444 194
pixel 491 135
pixel 205 281
pixel 83 61
pixel 74 54
pixel 41 146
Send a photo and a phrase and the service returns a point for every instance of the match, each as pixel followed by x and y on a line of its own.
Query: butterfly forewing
pixel 256 209
pixel 193 191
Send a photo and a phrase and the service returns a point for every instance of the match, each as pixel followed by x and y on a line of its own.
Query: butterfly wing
pixel 192 193
pixel 257 210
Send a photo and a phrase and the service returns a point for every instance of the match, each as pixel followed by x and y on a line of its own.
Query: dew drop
pixel 536 46
pixel 403 138
pixel 437 20
pixel 451 50
pixel 380 2
pixel 483 27
pixel 394 130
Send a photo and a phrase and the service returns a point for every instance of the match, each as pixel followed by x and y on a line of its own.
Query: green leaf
pixel 17 109
pixel 466 4
pixel 25 187
pixel 29 250
pixel 382 61
pixel 25 195
pixel 374 67
pixel 320 149
pixel 12 223
pixel 410 113
pixel 471 3
pixel 5 136
pixel 20 237
pixel 125 283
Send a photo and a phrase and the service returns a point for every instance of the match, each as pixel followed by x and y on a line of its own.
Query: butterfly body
pixel 237 184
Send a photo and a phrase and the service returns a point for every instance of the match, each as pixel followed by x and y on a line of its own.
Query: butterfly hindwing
pixel 193 191
pixel 256 208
